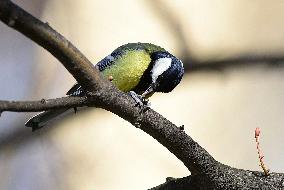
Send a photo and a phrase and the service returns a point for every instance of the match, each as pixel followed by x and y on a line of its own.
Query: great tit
pixel 139 68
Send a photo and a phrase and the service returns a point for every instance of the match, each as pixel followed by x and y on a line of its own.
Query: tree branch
pixel 230 178
pixel 193 64
pixel 43 104
pixel 41 33
pixel 237 61
pixel 207 172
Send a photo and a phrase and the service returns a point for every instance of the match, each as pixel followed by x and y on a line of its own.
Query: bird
pixel 140 69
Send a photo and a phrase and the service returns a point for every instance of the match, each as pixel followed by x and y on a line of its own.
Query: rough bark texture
pixel 206 172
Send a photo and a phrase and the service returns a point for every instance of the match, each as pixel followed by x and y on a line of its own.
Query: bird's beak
pixel 148 92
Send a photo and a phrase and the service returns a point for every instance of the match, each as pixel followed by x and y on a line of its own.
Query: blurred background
pixel 232 50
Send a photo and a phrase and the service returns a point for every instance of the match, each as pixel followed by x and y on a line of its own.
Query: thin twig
pixel 260 155
pixel 43 104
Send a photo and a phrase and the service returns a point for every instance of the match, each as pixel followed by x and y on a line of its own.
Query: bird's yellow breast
pixel 126 73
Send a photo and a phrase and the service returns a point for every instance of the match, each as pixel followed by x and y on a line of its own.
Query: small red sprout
pixel 260 155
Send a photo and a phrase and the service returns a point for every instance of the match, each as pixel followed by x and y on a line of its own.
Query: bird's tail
pixel 39 120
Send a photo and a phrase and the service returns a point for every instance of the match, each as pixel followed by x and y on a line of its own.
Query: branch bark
pixel 206 172
pixel 43 104
pixel 237 61
pixel 41 33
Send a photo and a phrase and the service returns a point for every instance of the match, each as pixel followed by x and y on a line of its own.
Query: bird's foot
pixel 141 101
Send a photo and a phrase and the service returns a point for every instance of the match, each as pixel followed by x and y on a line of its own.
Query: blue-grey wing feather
pixel 109 60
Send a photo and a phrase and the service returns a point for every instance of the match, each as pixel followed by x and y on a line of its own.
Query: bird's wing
pixel 76 90
pixel 124 66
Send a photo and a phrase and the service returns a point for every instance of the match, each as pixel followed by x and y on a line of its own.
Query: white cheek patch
pixel 160 66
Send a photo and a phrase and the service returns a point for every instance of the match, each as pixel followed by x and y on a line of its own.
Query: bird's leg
pixel 140 100
pixel 149 91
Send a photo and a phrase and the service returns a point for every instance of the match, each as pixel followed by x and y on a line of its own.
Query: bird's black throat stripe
pixel 145 81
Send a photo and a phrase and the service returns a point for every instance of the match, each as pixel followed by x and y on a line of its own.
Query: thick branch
pixel 230 179
pixel 169 135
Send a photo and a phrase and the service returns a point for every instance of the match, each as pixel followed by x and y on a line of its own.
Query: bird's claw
pixel 141 101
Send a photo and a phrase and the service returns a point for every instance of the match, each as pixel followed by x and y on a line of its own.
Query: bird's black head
pixel 167 71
